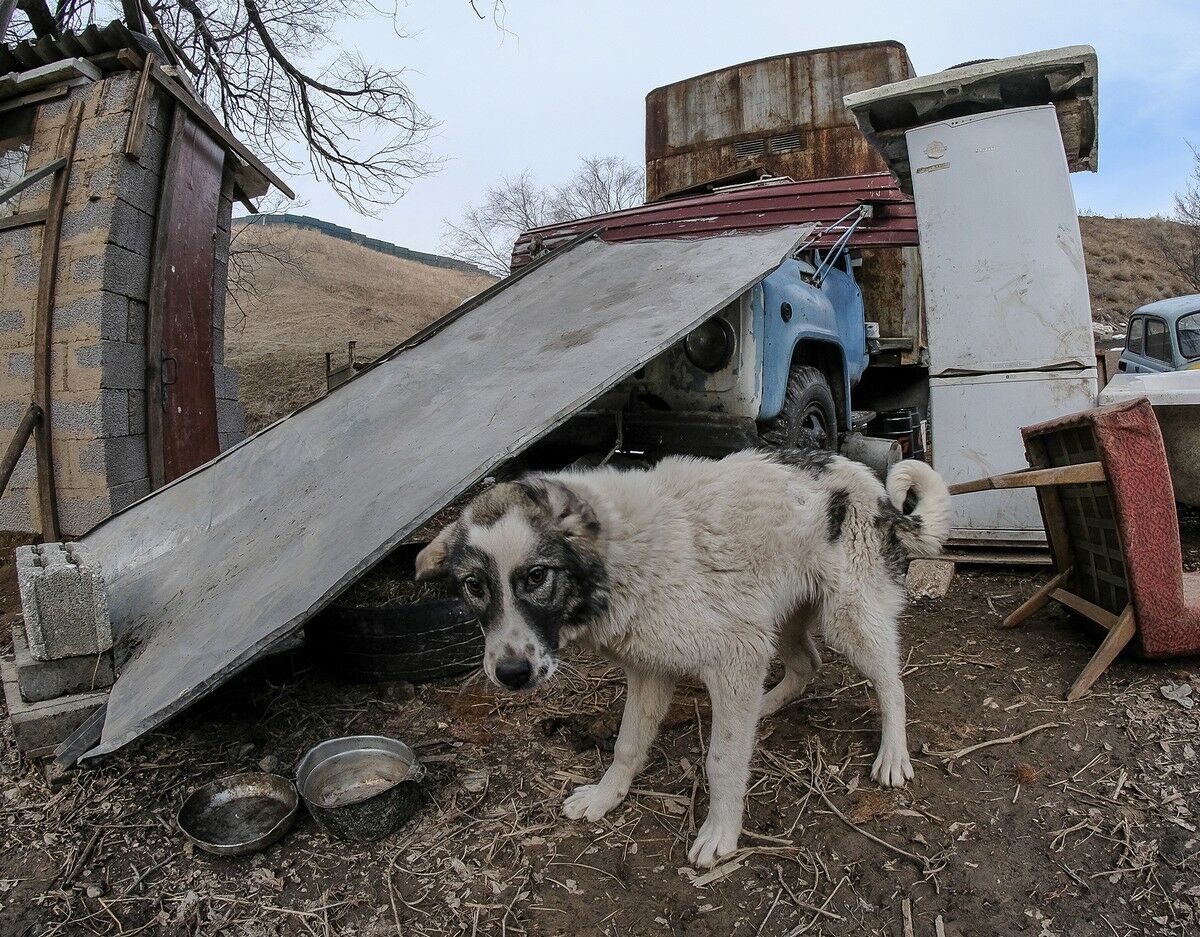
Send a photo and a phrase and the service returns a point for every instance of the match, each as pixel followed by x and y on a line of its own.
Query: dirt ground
pixel 1084 825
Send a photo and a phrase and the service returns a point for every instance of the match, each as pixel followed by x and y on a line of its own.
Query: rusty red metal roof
pixel 769 204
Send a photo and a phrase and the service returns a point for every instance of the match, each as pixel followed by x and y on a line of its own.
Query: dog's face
pixel 527 559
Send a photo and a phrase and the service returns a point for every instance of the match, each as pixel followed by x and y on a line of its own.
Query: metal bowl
pixel 239 814
pixel 360 788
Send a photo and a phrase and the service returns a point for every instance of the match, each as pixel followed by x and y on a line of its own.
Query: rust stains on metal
pixel 783 113
pixel 744 208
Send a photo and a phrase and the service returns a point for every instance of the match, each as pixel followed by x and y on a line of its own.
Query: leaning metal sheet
pixel 209 571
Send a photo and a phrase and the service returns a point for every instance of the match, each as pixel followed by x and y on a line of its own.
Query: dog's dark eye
pixel 536 577
pixel 473 587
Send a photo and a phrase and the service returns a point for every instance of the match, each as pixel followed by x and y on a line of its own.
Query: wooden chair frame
pixel 1047 480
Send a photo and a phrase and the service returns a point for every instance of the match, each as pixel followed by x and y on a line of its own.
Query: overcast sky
pixel 570 78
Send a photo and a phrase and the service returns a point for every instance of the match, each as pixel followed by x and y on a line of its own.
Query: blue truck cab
pixel 775 367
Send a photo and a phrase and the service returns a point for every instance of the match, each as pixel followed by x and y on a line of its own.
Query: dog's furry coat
pixel 703 568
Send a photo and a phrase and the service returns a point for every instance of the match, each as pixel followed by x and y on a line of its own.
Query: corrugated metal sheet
pixel 765 205
pixel 92 40
pixel 783 113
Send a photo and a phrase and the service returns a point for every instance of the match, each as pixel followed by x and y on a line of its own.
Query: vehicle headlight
pixel 710 346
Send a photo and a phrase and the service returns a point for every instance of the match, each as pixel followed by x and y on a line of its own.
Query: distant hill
pixel 283 317
pixel 333 290
pixel 1125 266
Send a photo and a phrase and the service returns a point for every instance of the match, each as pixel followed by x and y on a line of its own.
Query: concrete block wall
pixel 231 414
pixel 98 357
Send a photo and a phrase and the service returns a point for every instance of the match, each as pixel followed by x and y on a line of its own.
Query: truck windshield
pixel 1188 330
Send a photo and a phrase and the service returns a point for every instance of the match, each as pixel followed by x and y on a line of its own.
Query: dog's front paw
pixel 714 841
pixel 892 767
pixel 591 801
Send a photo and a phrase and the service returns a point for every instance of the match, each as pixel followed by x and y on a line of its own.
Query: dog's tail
pixel 919 493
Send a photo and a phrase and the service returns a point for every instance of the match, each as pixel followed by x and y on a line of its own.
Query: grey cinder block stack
pixel 62 660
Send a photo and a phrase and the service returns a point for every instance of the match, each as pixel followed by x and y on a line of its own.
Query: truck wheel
pixel 809 415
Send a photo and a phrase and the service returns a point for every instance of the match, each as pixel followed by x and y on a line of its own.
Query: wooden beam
pixel 23 219
pixel 34 97
pixel 136 132
pixel 30 178
pixel 44 325
pixel 1037 601
pixel 20 438
pixel 1034 478
pixel 1122 631
pixel 1101 616
pixel 213 126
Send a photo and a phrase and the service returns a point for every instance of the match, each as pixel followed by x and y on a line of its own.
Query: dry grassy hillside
pixel 328 293
pixel 1125 267
pixel 334 291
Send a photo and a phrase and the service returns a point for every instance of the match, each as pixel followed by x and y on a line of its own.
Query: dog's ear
pixel 567 509
pixel 431 562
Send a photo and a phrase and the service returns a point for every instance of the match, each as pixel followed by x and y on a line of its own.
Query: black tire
pixel 808 418
pixel 418 642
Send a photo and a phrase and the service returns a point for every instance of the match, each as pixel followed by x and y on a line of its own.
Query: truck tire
pixel 808 417
pixel 418 642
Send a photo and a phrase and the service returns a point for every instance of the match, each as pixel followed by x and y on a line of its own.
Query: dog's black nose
pixel 514 672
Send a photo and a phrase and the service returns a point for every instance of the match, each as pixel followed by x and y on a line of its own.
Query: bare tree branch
pixel 1180 245
pixel 275 73
pixel 485 233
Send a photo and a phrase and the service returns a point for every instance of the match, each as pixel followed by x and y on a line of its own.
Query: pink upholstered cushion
pixel 1131 449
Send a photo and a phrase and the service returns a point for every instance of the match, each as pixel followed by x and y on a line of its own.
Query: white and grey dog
pixel 702 568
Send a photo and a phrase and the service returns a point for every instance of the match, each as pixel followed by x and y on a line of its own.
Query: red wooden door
pixel 184 259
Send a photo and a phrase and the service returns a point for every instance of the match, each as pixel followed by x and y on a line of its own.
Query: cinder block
pixel 125 459
pixel 126 494
pixel 65 603
pixel 136 316
pixel 124 365
pixel 80 510
pixel 226 381
pixel 41 680
pixel 12 320
pixel 102 310
pixel 137 412
pixel 39 728
pixel 126 272
pixel 231 417
pixel 15 514
pixel 132 229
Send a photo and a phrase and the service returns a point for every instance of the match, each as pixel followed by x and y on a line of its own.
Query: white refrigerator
pixel 1008 318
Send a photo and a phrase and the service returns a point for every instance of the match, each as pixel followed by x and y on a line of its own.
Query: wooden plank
pixel 1037 601
pixel 44 326
pixel 157 298
pixel 1101 616
pixel 1034 478
pixel 30 178
pixel 17 446
pixel 201 113
pixel 34 97
pixel 1114 642
pixel 23 219
pixel 136 132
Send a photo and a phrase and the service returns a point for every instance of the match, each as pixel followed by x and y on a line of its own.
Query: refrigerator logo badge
pixel 935 149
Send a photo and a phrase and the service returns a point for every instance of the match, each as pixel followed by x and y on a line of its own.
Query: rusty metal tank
pixel 782 115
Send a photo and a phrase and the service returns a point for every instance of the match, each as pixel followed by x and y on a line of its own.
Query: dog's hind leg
pixel 863 627
pixel 800 657
pixel 736 693
pixel 647 699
